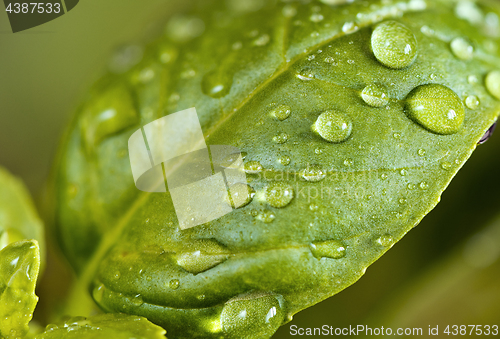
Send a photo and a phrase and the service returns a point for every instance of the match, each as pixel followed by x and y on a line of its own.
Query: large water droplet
pixel 313 173
pixel 330 249
pixel 394 44
pixel 279 194
pixel 217 84
pixel 258 314
pixel 375 95
pixel 462 48
pixel 333 126
pixel 493 83
pixel 281 112
pixel 437 108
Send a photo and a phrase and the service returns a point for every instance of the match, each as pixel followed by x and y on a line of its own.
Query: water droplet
pixel 262 40
pixel 241 194
pixel 51 327
pixel 174 284
pixel 396 135
pixel 285 160
pixel 403 172
pixel 289 11
pixel 313 173
pixel 280 138
pixel 472 79
pixel 266 216
pixel 462 49
pixel 217 84
pixel 472 102
pixel 305 75
pixel 375 95
pixel 348 162
pixel 384 176
pixel 253 167
pixel 318 151
pixel 257 313
pixel 493 83
pixel 279 194
pixel 329 249
pixel 117 275
pixel 402 201
pixel 423 185
pixel 333 126
pixel 446 165
pixel 394 44
pixel 313 207
pixel 421 152
pixel 281 112
pixel 437 108
pixel 316 17
pixel 411 186
pixel 488 134
pixel 349 27
pixel 385 240
pixel 137 300
pixel 330 60
pixel 209 254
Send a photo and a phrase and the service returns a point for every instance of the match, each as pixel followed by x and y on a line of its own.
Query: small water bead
pixel 424 185
pixel 217 84
pixel 137 300
pixel 348 162
pixel 397 135
pixel 262 40
pixel 437 108
pixel 318 151
pixel 333 249
pixel 174 284
pixel 462 49
pixel 279 194
pixel 117 275
pixel 394 44
pixel 472 79
pixel 493 83
pixel 280 138
pixel 316 17
pixel 384 176
pixel 349 27
pixel 472 102
pixel 446 165
pixel 313 207
pixel 330 60
pixel 403 201
pixel 411 186
pixel 313 173
pixel 266 216
pixel 375 95
pixel 253 167
pixel 281 112
pixel 403 172
pixel 385 240
pixel 241 194
pixel 333 126
pixel 421 152
pixel 306 75
pixel 285 160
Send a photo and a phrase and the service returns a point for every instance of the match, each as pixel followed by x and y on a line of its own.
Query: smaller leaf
pixel 105 326
pixel 19 267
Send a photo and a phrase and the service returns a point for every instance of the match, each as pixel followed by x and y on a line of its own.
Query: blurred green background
pixel 444 272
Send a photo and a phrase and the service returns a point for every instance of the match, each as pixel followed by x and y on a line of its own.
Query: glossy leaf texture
pixel 18 217
pixel 19 267
pixel 104 326
pixel 359 113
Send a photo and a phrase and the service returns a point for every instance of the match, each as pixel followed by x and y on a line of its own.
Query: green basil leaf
pixel 119 326
pixel 19 267
pixel 364 112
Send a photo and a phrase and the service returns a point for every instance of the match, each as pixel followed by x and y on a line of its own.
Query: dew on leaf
pixel 241 194
pixel 280 138
pixel 313 173
pixel 266 216
pixel 472 102
pixel 333 249
pixel 174 284
pixel 493 83
pixel 281 112
pixel 333 126
pixel 284 160
pixel 253 167
pixel 279 194
pixel 394 44
pixel 375 95
pixel 437 108
pixel 216 84
pixel 385 240
pixel 462 48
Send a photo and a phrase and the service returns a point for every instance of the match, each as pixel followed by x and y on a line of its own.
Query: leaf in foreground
pixel 19 266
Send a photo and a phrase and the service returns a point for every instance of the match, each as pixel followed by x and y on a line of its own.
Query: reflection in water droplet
pixel 217 84
pixel 472 102
pixel 174 284
pixel 462 49
pixel 279 194
pixel 333 249
pixel 313 173
pixel 385 240
pixel 281 112
pixel 375 95
pixel 280 138
pixel 394 44
pixel 493 83
pixel 333 126
pixel 437 108
pixel 253 167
